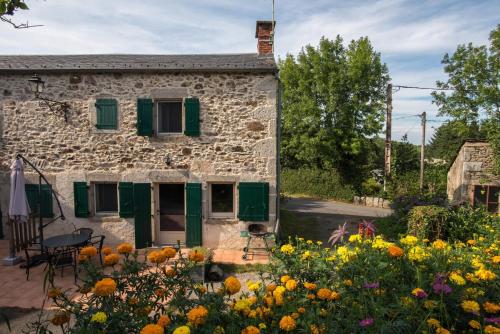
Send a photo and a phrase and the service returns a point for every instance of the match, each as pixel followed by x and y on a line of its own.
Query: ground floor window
pixel 487 196
pixel 222 200
pixel 106 197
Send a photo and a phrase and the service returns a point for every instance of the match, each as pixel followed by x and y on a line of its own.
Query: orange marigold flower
pixel 284 278
pixel 291 285
pixel 295 315
pixel 197 315
pixel 89 251
pixel 271 287
pixel 164 321
pixel 169 252
pixel 157 257
pixel 314 329
pixel 82 258
pixel 395 251
pixel 310 296
pixel 152 329
pixel 60 318
pixel 111 259
pixel 324 293
pixel 106 250
pixel 124 248
pixel 489 329
pixel 105 287
pixel 491 307
pixel 250 330
pixel 301 310
pixel 310 286
pixel 335 295
pixel 196 256
pixel 170 272
pixel 287 323
pixel 54 293
pixel 232 285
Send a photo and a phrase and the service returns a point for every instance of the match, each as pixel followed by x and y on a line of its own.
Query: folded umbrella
pixel 19 209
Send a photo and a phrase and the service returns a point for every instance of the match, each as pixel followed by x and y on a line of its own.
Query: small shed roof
pixel 244 62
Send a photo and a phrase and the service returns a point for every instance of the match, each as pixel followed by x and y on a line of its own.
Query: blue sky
pixel 412 36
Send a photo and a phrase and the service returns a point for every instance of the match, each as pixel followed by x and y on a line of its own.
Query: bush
pixel 402 205
pixel 365 286
pixel 371 187
pixel 427 222
pixel 464 222
pixel 326 184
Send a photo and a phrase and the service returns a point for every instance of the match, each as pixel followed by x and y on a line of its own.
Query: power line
pixel 426 88
pixel 407 116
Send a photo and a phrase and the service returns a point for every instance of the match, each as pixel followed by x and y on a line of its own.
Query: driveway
pixel 316 219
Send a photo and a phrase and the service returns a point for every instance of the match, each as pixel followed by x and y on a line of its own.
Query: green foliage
pixel 407 184
pixel 371 187
pixel 474 75
pixel 8 7
pixel 333 101
pixel 390 227
pixel 464 223
pixel 427 221
pixel 406 156
pixel 315 183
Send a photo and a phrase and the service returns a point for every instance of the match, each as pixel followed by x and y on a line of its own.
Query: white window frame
pixel 106 213
pixel 212 214
pixel 157 117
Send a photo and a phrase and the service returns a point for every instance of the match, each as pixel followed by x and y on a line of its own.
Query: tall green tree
pixel 333 104
pixel 406 156
pixel 474 80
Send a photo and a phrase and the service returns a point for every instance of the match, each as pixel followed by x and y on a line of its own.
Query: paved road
pixel 319 218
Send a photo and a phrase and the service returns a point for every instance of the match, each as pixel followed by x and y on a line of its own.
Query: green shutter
pixel 126 190
pixel 81 199
pixel 193 214
pixel 46 203
pixel 145 117
pixel 142 214
pixel 192 116
pixel 107 114
pixel 253 201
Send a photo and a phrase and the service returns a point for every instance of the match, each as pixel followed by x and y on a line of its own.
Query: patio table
pixel 65 240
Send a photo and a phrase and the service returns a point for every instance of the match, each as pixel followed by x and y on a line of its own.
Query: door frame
pixel 156 216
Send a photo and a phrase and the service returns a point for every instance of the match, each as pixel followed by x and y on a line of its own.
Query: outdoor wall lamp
pixel 36 86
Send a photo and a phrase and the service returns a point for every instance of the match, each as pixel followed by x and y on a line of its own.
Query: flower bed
pixel 367 285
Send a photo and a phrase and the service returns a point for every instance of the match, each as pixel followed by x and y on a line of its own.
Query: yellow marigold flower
pixel 278 298
pixel 309 242
pixel 287 323
pixel 439 244
pixel 306 255
pixel 152 329
pixel 157 257
pixel 490 307
pixel 476 263
pixel 124 248
pixel 471 278
pixel 409 240
pixel 253 286
pixel 471 242
pixel 380 243
pixel 314 329
pixel 485 275
pixel 106 250
pixel 197 315
pixel 355 238
pixel 417 254
pixel 407 301
pixel 291 285
pixel 495 259
pixel 442 330
pixel 319 243
pixel 60 318
pixel 347 282
pixel 99 317
pixel 232 285
pixel 54 293
pixel 182 330
pixel 250 330
pixel 105 287
pixel 334 295
pixel 310 286
pixel 164 321
pixel 242 304
pixel 262 325
pixel 279 290
pixel 470 306
pixel 287 249
pixel 284 278
pixel 169 252
pixel 395 251
pixel 474 324
pixel 324 293
pixel 89 251
pixel 456 278
pixel 196 256
pixel 111 259
pixel 489 329
pixel 433 323
pixel 417 292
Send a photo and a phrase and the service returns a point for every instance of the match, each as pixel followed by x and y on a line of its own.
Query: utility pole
pixel 388 144
pixel 422 151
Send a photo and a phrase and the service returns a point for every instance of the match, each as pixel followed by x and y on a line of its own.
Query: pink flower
pixel 366 322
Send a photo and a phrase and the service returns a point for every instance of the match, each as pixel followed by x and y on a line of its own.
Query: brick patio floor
pixel 16 291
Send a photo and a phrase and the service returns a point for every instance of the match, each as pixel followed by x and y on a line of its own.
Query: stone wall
pixel 238 138
pixel 472 166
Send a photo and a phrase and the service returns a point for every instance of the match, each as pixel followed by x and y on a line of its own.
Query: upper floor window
pixel 169 117
pixel 106 114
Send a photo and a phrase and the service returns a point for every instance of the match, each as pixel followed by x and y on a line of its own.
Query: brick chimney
pixel 263 33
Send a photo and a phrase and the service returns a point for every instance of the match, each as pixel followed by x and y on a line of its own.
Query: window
pixel 222 200
pixel 487 196
pixel 106 114
pixel 106 197
pixel 169 117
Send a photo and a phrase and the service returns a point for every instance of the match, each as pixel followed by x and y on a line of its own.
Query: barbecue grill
pixel 256 231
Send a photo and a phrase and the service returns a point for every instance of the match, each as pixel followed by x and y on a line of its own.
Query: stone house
pixel 155 149
pixel 470 177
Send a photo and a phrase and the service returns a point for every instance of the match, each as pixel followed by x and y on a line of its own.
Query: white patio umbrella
pixel 19 209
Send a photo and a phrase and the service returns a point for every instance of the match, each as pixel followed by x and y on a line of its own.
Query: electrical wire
pixel 426 88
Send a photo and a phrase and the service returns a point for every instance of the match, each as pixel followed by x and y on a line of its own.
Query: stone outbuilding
pixel 155 148
pixel 470 177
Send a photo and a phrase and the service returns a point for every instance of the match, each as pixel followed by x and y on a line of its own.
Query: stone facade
pixel 238 141
pixel 472 167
